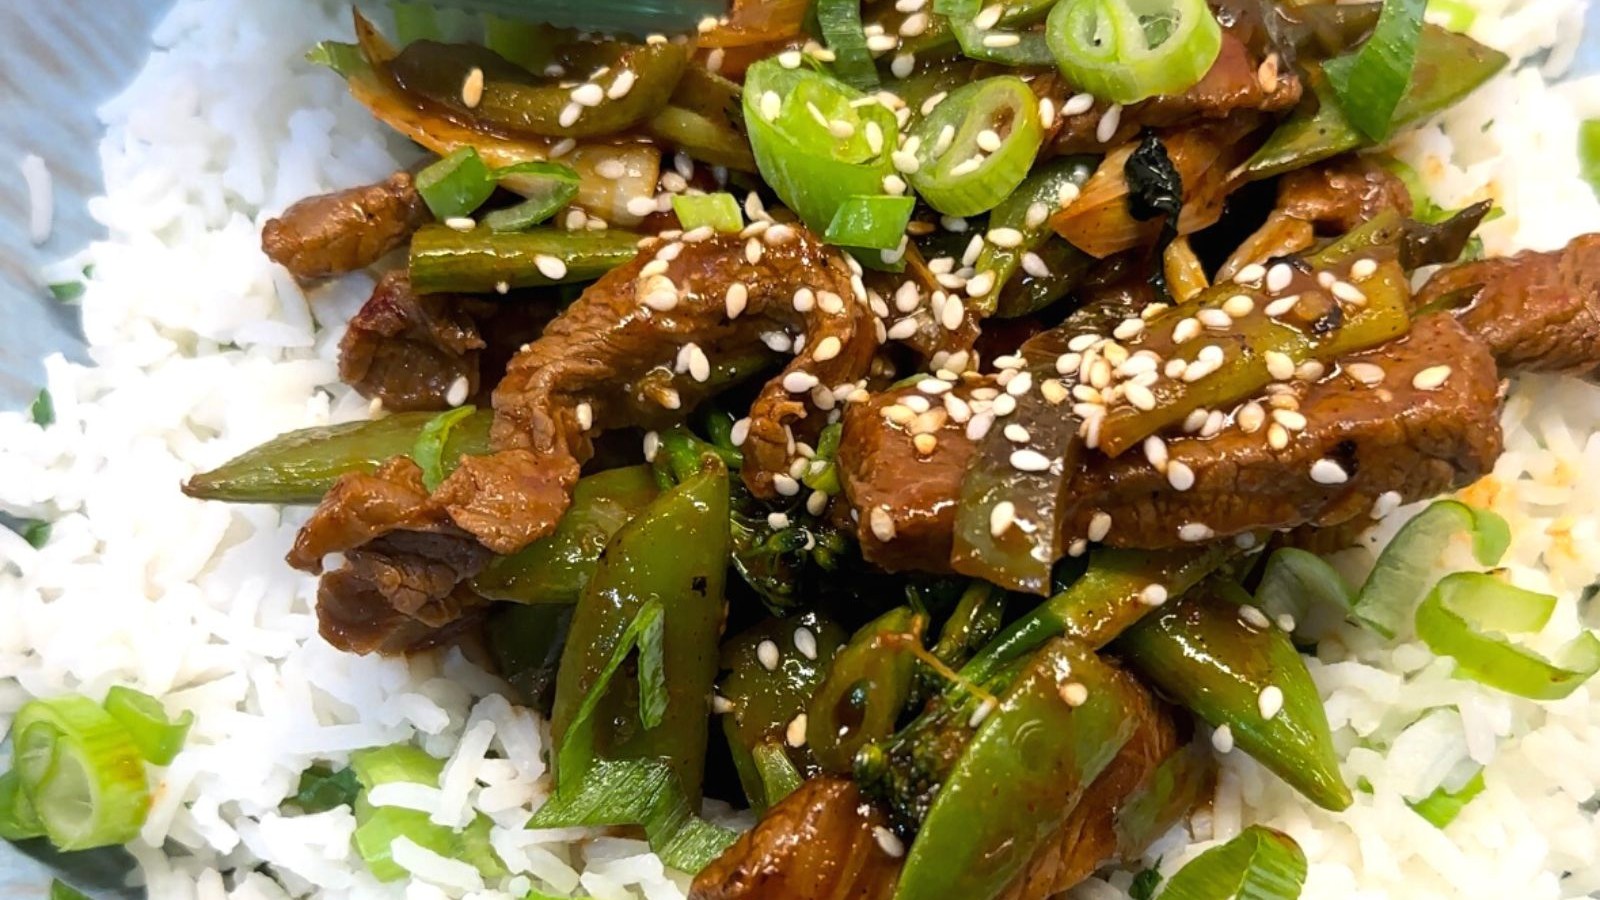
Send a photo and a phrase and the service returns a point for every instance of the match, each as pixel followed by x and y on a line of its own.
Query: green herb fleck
pixel 35 532
pixel 60 890
pixel 1145 883
pixel 43 410
pixel 322 789
pixel 66 291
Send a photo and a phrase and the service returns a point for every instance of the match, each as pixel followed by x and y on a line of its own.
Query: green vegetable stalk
pixel 482 260
pixel 866 688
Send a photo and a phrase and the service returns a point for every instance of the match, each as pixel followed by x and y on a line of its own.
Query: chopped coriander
pixel 43 409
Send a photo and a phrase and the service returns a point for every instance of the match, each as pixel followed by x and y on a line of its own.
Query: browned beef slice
pixel 1538 312
pixel 1236 81
pixel 616 357
pixel 817 843
pixel 408 349
pixel 1342 193
pixel 402 581
pixel 330 234
pixel 1390 437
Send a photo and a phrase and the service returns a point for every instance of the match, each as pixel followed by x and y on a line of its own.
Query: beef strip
pixel 1391 437
pixel 1342 193
pixel 1240 79
pixel 330 234
pixel 402 584
pixel 818 843
pixel 612 359
pixel 409 349
pixel 1538 312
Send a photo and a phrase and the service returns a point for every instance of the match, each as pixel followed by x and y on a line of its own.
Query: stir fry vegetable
pixel 976 146
pixel 1124 52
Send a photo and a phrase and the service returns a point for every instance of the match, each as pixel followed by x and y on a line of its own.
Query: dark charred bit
pixel 698 585
pixel 1155 187
pixel 1436 244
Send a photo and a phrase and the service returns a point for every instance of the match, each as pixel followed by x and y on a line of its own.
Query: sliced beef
pixel 402 584
pixel 1240 79
pixel 1538 312
pixel 617 357
pixel 1338 195
pixel 409 349
pixel 1391 436
pixel 818 843
pixel 330 234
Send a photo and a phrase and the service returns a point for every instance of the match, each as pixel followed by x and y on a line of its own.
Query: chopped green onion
pixel 1589 153
pixel 1466 616
pixel 1259 864
pixel 1451 15
pixel 977 145
pixel 576 756
pixel 377 827
pixel 1027 211
pixel 395 763
pixel 67 291
pixel 1146 883
pixel 456 185
pixel 158 737
pixel 18 821
pixel 779 777
pixel 60 890
pixel 1297 581
pixel 414 21
pixel 43 410
pixel 81 771
pixel 1127 50
pixel 719 211
pixel 1370 81
pixel 994 45
pixel 1407 565
pixel 1442 806
pixel 826 477
pixel 428 452
pixel 638 792
pixel 875 222
pixel 546 187
pixel 840 24
pixel 344 59
pixel 817 141
pixel 322 789
pixel 35 531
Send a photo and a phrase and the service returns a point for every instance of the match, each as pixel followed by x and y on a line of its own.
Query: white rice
pixel 203 349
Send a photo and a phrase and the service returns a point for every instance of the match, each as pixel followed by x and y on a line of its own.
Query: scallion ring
pixel 456 185
pixel 1128 50
pixel 81 771
pixel 977 145
pixel 871 222
pixel 719 211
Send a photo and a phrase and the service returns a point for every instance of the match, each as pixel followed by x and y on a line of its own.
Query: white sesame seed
pixel 1346 292
pixel 753 251
pixel 1215 319
pixel 1363 269
pixel 916 403
pixel 1008 238
pixel 1139 396
pixel 882 524
pixel 1180 476
pixel 1282 305
pixel 966 167
pixel 1277 436
pixel 1279 365
pixel 457 394
pixel 767 653
pixel 1289 419
pixel 1431 378
pixel 988 17
pixel 1238 306
pixel 1270 702
pixel 806 642
pixel 1251 274
pixel 1002 517
pixel 460 223
pixel 1099 526
pixel 1016 434
pixel 798 382
pixel 1047 112
pixel 621 85
pixel 652 443
pixel 1222 739
pixel 795 734
pixel 1185 331
pixel 1387 502
pixel 1153 594
pixel 1077 104
pixel 1195 531
pixel 785 485
pixel 1284 621
pixel 789 59
pixel 888 842
pixel 777 520
pixel 817 502
pixel 1367 373
pixel 472 88
pixel 1251 417
pixel 569 115
pixel 953 314
pixel 661 301
pixel 1029 461
pixel 1068 192
pixel 1109 122
pixel 550 267
pixel 882 43
pixel 1074 694
pixel 641 206
pixel 1310 370
pixel 585 415
pixel 1254 616
pixel 771 105
pixel 1279 277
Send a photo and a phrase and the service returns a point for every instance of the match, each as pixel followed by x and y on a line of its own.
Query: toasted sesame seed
pixel 1238 306
pixel 888 842
pixel 1195 531
pixel 1099 526
pixel 472 88
pixel 1368 374
pixel 925 444
pixel 1185 331
pixel 1277 436
pixel 1270 703
pixel 1222 739
pixel 1431 378
pixel 882 524
pixel 1289 419
pixel 1027 460
pixel 767 653
pixel 1251 417
pixel 1363 269
pixel 1153 594
pixel 795 733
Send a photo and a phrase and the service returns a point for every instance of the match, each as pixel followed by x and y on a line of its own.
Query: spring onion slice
pixel 321 788
pixel 1451 15
pixel 82 772
pixel 1296 581
pixel 1027 211
pixel 576 756
pixel 1259 864
pixel 43 410
pixel 428 451
pixel 415 21
pixel 377 827
pixel 1010 42
pixel 1466 617
pixel 1442 806
pixel 1589 153
pixel 546 186
pixel 18 821
pixel 1370 81
pixel 1407 566
pixel 1127 50
pixel 60 890
pixel 456 185
pixel 158 736
pixel 875 222
pixel 977 145
pixel 840 24
pixel 719 211
pixel 638 792
pixel 779 777
pixel 817 141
